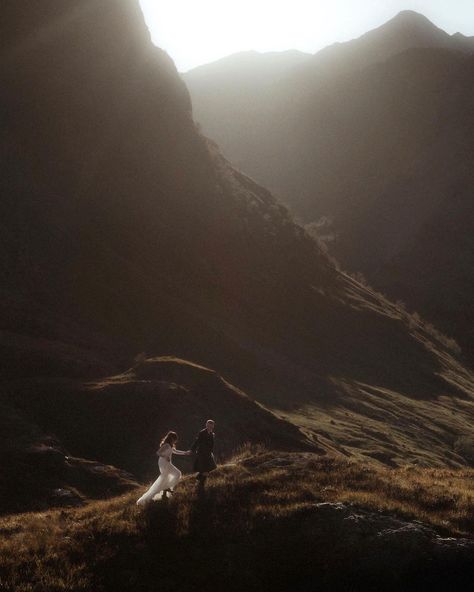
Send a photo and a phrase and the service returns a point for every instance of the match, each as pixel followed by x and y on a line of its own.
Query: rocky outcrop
pixel 37 473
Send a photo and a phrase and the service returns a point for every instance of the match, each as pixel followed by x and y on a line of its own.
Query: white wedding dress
pixel 169 475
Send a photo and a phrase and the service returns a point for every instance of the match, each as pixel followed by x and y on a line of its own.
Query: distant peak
pixel 411 15
pixel 409 19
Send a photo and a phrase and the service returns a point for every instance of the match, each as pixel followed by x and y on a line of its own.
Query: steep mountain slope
pixel 416 207
pixel 126 231
pixel 373 139
pixel 117 209
pixel 444 249
pixel 397 181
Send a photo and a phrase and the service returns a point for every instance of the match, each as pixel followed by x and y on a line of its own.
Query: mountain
pixel 230 101
pixel 464 43
pixel 247 68
pixel 130 240
pixel 370 143
pixel 407 30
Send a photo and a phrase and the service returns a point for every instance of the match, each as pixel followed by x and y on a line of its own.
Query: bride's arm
pixel 181 452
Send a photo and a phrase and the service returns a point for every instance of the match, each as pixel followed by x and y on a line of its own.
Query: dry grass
pixel 443 498
pixel 115 546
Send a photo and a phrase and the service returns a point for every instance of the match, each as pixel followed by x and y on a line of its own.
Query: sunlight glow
pixel 196 32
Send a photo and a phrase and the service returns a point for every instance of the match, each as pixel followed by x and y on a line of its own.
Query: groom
pixel 202 448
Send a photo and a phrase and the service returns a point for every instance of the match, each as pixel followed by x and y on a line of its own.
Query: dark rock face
pixel 78 83
pixel 42 476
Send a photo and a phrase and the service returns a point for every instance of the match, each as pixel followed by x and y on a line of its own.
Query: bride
pixel 169 474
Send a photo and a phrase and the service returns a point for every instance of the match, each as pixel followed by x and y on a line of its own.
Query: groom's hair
pixel 210 421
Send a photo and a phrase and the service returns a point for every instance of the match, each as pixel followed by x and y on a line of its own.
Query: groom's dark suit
pixel 203 447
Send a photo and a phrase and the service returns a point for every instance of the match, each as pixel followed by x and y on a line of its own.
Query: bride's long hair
pixel 171 438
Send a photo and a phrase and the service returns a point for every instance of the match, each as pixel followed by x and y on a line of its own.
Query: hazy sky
pixel 196 32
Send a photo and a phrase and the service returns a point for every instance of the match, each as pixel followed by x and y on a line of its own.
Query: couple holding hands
pixel 169 474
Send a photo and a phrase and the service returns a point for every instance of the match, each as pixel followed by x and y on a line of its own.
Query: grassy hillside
pixel 266 522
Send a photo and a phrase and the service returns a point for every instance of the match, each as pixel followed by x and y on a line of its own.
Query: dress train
pixel 168 479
